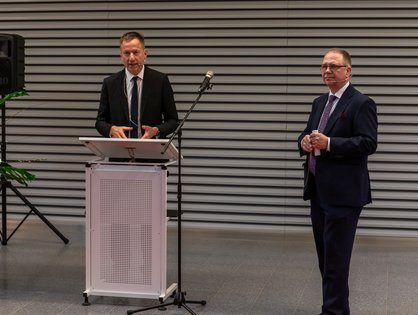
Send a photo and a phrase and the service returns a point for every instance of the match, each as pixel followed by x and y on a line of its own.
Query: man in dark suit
pixel 337 140
pixel 156 114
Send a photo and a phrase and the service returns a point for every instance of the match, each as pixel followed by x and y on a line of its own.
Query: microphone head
pixel 209 74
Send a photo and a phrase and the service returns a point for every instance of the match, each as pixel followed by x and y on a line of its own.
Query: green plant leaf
pixel 14 94
pixel 13 173
pixel 6 170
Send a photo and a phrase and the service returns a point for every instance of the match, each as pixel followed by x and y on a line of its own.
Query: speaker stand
pixel 7 184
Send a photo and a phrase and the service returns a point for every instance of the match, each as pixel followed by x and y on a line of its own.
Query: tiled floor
pixel 236 272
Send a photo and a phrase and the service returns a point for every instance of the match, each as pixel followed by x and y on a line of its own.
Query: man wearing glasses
pixel 136 102
pixel 339 136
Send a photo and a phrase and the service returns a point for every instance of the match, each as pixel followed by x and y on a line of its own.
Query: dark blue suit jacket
pixel 342 176
pixel 158 108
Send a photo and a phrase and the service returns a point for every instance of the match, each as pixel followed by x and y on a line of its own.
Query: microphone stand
pixel 179 295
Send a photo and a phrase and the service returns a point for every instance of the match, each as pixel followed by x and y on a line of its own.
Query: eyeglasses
pixel 331 66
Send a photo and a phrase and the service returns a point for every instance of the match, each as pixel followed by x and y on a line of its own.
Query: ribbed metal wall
pixel 241 165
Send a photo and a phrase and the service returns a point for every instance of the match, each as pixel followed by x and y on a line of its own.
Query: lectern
pixel 126 218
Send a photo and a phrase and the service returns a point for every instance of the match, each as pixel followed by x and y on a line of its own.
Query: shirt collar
pixel 129 75
pixel 341 91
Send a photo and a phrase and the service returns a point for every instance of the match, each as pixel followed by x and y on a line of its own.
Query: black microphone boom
pixel 205 84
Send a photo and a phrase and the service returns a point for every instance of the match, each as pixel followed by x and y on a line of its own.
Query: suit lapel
pixel 121 93
pixel 145 93
pixel 322 101
pixel 340 107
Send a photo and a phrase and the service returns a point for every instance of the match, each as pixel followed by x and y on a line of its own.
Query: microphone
pixel 205 83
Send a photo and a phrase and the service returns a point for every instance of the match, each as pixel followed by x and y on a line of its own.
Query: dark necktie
pixel 321 128
pixel 134 109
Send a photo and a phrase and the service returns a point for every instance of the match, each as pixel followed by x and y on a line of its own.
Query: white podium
pixel 126 219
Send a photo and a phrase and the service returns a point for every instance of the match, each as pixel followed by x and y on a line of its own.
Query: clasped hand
pixel 314 141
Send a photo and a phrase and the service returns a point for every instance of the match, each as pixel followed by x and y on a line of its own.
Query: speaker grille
pixel 12 63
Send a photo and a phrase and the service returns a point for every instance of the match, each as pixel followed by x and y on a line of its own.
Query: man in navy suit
pixel 337 141
pixel 156 114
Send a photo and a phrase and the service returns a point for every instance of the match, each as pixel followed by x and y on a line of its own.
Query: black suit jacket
pixel 158 108
pixel 342 176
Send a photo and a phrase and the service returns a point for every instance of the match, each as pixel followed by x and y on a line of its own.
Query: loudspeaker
pixel 12 63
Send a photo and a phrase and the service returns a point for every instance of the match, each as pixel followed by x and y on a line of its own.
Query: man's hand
pixel 119 131
pixel 149 132
pixel 319 141
pixel 306 144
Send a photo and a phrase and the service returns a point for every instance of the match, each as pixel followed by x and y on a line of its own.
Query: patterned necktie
pixel 321 128
pixel 134 109
pixel 326 114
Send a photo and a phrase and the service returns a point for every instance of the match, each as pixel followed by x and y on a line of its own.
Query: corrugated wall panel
pixel 241 165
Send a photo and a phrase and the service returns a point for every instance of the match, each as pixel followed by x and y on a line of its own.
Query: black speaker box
pixel 12 63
